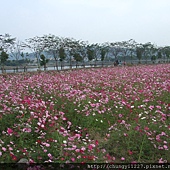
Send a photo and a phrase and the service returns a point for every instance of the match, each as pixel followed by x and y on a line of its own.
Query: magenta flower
pixel 122 158
pixel 10 131
pixel 27 130
pixel 4 149
pixel 73 159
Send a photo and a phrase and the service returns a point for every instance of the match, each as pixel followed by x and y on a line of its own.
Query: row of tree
pixel 68 48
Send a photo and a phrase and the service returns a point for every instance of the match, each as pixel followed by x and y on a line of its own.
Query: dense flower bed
pixel 118 114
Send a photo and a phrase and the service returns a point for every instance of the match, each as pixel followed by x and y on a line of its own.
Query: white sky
pixel 88 20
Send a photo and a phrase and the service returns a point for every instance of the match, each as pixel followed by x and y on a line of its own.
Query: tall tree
pixel 43 61
pixel 159 53
pixel 37 46
pixel 132 48
pixel 83 50
pixel 147 50
pixel 16 51
pixel 104 49
pixel 62 55
pixel 166 52
pixel 139 52
pixel 3 59
pixel 90 52
pixel 125 45
pixel 93 52
pixel 53 44
pixel 71 47
pixel 115 49
pixel 5 42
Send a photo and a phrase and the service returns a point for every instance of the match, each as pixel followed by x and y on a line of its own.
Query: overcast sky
pixel 95 21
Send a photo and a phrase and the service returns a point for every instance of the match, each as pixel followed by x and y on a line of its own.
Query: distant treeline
pixel 44 48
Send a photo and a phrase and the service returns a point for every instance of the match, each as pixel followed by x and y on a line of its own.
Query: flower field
pixel 118 115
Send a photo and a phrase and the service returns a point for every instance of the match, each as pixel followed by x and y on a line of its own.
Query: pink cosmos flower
pixel 96 142
pixel 73 159
pixel 120 115
pixel 165 147
pixel 122 158
pixel 146 128
pixel 151 107
pixel 125 134
pixel 158 107
pixel 161 160
pixel 4 149
pixel 10 148
pixel 27 130
pixel 163 134
pixel 50 156
pixel 90 147
pixel 130 152
pixel 10 131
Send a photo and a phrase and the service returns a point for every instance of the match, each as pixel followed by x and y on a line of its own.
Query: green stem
pixel 141 148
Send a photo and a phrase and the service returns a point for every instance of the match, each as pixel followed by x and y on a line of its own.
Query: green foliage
pixel 167 51
pixel 90 53
pixel 153 57
pixel 62 54
pixel 3 57
pixel 77 57
pixel 159 54
pixel 6 41
pixel 139 53
pixel 103 52
pixel 43 60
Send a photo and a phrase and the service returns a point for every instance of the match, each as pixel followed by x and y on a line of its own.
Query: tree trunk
pixel 76 64
pixel 70 64
pixel 56 64
pixel 45 68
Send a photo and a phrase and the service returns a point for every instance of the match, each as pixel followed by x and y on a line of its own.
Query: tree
pixel 15 51
pixel 115 49
pixel 83 50
pixel 125 48
pixel 5 42
pixel 90 52
pixel 62 56
pixel 166 50
pixel 72 47
pixel 96 51
pixel 132 48
pixel 43 61
pixel 162 53
pixel 159 53
pixel 77 56
pixel 53 44
pixel 93 52
pixel 103 51
pixel 139 51
pixel 3 59
pixel 148 50
pixel 37 45
pixel 153 58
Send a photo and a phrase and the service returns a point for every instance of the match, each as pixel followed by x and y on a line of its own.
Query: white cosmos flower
pixel 140 114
